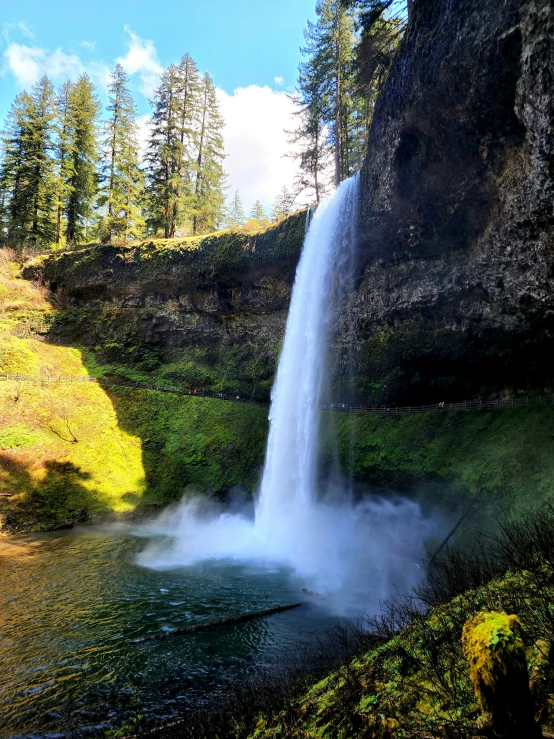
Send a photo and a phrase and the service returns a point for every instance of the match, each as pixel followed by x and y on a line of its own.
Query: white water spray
pixel 356 553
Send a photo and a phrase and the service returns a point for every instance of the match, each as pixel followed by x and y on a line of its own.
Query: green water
pixel 72 602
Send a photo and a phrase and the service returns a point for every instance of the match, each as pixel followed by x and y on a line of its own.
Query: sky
pixel 250 48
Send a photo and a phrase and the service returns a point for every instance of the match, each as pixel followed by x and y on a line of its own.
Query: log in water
pixel 216 624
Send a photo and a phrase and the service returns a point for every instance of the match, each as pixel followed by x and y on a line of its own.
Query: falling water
pixel 355 555
pixel 289 480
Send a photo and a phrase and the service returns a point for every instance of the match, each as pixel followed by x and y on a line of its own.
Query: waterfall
pixel 355 555
pixel 289 478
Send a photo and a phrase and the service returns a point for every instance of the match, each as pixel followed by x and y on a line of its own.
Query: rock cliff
pixel 455 293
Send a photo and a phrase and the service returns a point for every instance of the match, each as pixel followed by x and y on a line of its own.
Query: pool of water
pixel 73 602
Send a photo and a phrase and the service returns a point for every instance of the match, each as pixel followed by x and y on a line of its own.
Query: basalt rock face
pixel 455 294
pixel 211 302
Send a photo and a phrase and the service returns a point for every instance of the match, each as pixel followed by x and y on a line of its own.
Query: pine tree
pixel 189 96
pixel 330 102
pixel 258 214
pixel 283 205
pixel 163 179
pixel 311 132
pixel 172 148
pixel 122 179
pixel 83 180
pixel 210 175
pixel 236 212
pixel 27 176
pixel 63 153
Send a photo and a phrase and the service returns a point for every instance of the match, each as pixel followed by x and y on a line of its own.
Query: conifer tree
pixel 163 178
pixel 83 179
pixel 189 105
pixel 283 205
pixel 311 133
pixel 171 147
pixel 122 180
pixel 63 153
pixel 331 107
pixel 258 214
pixel 236 211
pixel 26 175
pixel 210 175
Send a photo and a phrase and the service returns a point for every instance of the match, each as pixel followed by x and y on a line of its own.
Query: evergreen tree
pixel 123 182
pixel 381 25
pixel 258 214
pixel 26 175
pixel 172 150
pixel 333 113
pixel 236 212
pixel 63 153
pixel 210 175
pixel 189 105
pixel 164 187
pixel 283 205
pixel 81 187
pixel 311 132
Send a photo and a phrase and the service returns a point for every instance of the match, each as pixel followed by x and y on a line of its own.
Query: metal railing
pixel 384 410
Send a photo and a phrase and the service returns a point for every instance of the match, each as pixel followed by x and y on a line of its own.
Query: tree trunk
pixel 199 160
pixel 410 8
pixel 338 131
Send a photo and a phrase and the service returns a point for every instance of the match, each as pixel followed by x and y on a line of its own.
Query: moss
pixel 71 450
pixel 418 683
pixel 493 645
pixel 16 358
pixel 222 253
pixel 448 457
pixel 18 436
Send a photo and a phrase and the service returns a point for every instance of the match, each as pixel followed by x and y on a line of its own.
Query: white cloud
pixel 23 28
pixel 256 119
pixel 278 80
pixel 142 59
pixel 29 63
pixel 88 45
pixel 143 123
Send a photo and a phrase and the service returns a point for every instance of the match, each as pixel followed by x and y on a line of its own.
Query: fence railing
pixel 384 410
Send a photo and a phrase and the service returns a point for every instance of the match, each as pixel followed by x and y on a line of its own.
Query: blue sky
pixel 250 47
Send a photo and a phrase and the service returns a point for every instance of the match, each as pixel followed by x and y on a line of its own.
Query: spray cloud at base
pixel 354 555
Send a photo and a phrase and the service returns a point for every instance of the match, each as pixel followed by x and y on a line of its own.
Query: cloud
pixel 143 124
pixel 23 28
pixel 142 58
pixel 278 80
pixel 29 63
pixel 88 45
pixel 256 119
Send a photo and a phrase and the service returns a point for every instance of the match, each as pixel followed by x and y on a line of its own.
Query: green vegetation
pixel 447 666
pixel 445 458
pixel 417 683
pixel 71 450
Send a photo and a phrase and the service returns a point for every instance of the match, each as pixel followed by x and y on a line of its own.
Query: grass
pixel 70 451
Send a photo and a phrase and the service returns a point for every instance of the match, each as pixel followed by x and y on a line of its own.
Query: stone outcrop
pixel 454 294
pixel 210 300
